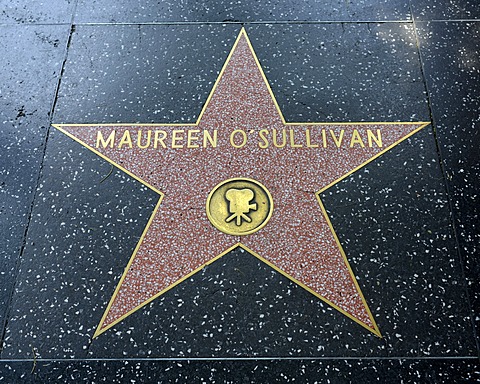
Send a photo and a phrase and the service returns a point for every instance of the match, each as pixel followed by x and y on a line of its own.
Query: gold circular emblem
pixel 239 206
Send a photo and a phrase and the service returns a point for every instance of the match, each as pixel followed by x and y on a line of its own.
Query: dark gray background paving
pixel 241 371
pixel 108 11
pixel 36 12
pixel 409 221
pixel 32 59
pixel 445 10
pixel 450 53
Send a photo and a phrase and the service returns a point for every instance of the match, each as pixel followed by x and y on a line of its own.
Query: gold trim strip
pixel 364 123
pixel 263 74
pixel 100 330
pixel 306 124
pixel 352 275
pixel 59 127
pixel 423 125
pixel 376 331
pixel 220 75
pixel 126 125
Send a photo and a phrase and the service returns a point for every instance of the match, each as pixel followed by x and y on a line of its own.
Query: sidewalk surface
pixel 377 280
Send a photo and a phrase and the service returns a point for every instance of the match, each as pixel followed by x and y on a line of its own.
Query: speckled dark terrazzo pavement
pixel 408 221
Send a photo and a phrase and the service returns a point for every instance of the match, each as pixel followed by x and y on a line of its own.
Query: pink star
pixel 240 133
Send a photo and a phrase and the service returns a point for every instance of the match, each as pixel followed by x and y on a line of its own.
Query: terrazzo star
pixel 275 191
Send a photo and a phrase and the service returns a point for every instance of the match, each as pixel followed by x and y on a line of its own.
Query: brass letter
pixel 356 139
pixel 338 142
pixel 232 136
pixel 175 138
pixel 307 138
pixel 213 141
pixel 126 140
pixel 284 136
pixel 160 140
pixel 262 134
pixel 377 139
pixel 292 140
pixel 139 139
pixel 191 138
pixel 104 143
